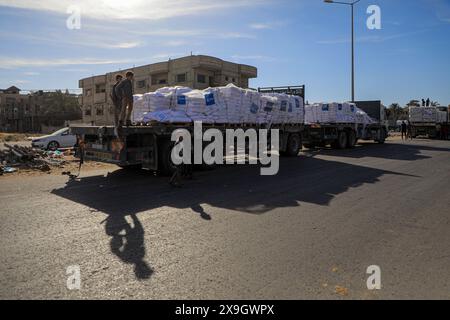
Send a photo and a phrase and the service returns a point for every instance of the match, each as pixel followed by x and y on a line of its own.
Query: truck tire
pixel 341 142
pixel 351 139
pixel 294 145
pixel 165 165
pixel 383 136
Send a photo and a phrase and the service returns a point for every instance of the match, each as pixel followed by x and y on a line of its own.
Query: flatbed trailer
pixel 346 135
pixel 342 135
pixel 150 146
pixel 429 130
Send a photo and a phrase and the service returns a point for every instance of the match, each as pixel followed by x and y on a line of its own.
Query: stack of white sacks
pixel 442 117
pixel 324 113
pixel 423 114
pixel 222 105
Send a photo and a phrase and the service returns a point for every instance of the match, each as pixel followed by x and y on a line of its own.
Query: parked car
pixel 56 140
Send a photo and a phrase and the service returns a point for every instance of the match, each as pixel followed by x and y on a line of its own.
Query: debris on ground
pixel 18 157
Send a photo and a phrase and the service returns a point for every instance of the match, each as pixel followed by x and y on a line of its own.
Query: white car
pixel 56 140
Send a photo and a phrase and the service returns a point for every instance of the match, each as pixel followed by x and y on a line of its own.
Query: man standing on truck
pixel 125 90
pixel 117 101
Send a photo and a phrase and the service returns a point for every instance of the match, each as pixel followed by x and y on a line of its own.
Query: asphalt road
pixel 308 233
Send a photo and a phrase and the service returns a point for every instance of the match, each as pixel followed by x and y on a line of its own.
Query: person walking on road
pixel 404 127
pixel 117 101
pixel 125 90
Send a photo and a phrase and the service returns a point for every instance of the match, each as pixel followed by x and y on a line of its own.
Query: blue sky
pixel 291 42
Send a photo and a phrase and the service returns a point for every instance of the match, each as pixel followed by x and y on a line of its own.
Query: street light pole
pixel 352 5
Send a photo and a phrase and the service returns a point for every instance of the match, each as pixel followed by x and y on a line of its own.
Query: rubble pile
pixel 15 157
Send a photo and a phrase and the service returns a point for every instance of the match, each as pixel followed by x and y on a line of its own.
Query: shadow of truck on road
pixel 239 188
pixel 393 151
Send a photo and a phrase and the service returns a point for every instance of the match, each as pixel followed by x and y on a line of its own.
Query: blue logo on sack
pixel 297 103
pixel 269 106
pixel 254 108
pixel 325 107
pixel 291 107
pixel 340 107
pixel 283 106
pixel 181 100
pixel 209 99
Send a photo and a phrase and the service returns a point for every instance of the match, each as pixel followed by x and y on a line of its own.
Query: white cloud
pixel 132 9
pixel 13 62
pixel 19 82
pixel 267 25
pixel 31 73
pixel 259 26
pixel 124 45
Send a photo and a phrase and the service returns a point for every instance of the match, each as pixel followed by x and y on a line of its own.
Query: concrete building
pixel 198 72
pixel 16 114
pixel 32 112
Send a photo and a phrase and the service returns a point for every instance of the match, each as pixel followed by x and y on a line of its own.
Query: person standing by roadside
pixel 117 101
pixel 404 128
pixel 409 128
pixel 125 90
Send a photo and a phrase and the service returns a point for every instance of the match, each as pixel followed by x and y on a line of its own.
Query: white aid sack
pixel 167 116
pixel 233 98
pixel 250 107
pixel 140 107
pixel 423 114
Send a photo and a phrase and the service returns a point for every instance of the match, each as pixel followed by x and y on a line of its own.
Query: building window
pixel 226 78
pixel 99 111
pixel 162 81
pixel 88 92
pixel 201 78
pixel 141 84
pixel 234 80
pixel 88 111
pixel 100 88
pixel 181 78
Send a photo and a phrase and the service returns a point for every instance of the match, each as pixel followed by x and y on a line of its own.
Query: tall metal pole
pixel 353 54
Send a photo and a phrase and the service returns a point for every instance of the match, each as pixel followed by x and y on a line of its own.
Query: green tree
pixel 59 107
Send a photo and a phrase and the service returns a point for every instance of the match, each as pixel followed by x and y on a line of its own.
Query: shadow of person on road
pixel 199 209
pixel 127 242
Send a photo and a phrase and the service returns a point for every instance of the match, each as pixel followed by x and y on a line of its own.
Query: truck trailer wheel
pixel 351 139
pixel 341 142
pixel 165 164
pixel 294 145
pixel 383 136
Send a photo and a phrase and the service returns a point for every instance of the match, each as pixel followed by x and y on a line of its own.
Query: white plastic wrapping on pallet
pixel 324 113
pixel 220 105
pixel 167 116
pixel 422 114
pixel 251 106
pixel 442 117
